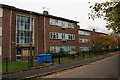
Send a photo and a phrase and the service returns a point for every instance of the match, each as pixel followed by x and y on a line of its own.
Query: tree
pixel 109 41
pixel 101 42
pixel 110 11
pixel 118 38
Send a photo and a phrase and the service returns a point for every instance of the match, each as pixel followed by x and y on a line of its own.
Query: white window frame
pixel 82 40
pixel 61 36
pixel 84 33
pixel 56 49
pixel 61 23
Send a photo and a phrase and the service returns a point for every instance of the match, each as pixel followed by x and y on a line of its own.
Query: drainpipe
pixel 37 34
pixel 44 36
pixel 10 34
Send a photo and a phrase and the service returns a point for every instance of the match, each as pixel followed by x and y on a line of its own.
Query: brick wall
pixel 6 32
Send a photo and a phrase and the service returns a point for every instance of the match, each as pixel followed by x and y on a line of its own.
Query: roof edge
pixel 51 16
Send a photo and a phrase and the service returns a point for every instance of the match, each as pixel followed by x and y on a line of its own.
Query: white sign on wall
pixel 1 12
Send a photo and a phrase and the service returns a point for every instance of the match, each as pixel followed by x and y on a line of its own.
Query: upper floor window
pixel 55 35
pixel 24 30
pixel 63 24
pixel 83 40
pixel 84 33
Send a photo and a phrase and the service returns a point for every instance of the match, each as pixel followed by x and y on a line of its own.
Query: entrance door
pixel 23 52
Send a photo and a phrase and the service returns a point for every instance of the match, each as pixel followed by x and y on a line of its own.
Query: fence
pixel 57 58
pixel 24 63
pixel 64 58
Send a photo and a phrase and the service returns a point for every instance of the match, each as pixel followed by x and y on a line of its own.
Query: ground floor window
pixel 84 48
pixel 56 49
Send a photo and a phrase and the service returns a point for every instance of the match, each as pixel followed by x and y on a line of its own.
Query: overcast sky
pixel 71 9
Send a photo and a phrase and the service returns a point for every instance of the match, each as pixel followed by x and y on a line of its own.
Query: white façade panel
pixel 1 12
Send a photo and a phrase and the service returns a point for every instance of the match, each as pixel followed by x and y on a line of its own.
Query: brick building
pixel 44 32
pixel 85 37
pixel 22 30
pixel 60 34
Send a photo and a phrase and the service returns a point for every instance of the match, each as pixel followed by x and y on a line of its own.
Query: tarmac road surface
pixel 106 68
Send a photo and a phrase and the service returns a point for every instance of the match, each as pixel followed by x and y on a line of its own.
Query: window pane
pixel 59 35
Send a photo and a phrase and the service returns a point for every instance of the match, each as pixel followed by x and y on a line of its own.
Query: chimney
pixel 45 12
pixel 78 26
pixel 93 30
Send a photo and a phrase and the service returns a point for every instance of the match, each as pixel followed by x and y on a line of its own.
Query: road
pixel 106 68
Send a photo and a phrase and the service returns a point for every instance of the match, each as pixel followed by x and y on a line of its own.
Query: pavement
pixel 51 69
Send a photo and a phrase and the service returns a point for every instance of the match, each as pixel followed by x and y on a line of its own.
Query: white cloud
pixel 70 9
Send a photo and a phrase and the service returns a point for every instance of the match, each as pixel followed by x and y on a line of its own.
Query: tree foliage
pixel 118 38
pixel 110 11
pixel 100 42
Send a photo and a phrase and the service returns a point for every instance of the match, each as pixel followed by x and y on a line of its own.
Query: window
pixel 59 23
pixel 1 12
pixel 83 40
pixel 84 48
pixel 0 31
pixel 56 49
pixel 66 24
pixel 63 36
pixel 71 37
pixel 59 35
pixel 84 33
pixel 53 21
pixel 70 25
pixel 63 24
pixel 55 35
pixel 24 29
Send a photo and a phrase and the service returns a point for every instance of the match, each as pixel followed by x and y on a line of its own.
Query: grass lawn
pixel 16 65
pixel 70 58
